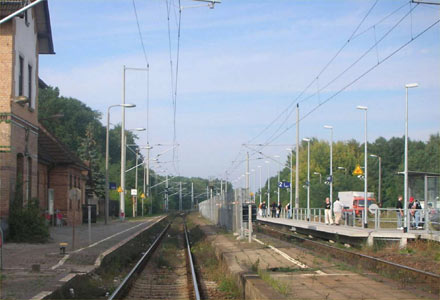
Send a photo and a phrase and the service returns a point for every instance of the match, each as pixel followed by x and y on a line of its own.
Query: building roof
pixel 41 10
pixel 53 151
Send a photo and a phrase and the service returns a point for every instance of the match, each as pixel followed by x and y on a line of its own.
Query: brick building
pixel 33 163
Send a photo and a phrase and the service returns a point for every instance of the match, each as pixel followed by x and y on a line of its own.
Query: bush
pixel 26 224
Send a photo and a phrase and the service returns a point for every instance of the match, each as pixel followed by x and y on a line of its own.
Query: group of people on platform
pixel 414 208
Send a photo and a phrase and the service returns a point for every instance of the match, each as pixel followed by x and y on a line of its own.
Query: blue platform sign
pixel 112 185
pixel 284 184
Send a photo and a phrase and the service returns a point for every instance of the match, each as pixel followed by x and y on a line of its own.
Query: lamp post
pixel 123 150
pixel 259 167
pixel 405 220
pixel 268 183
pixel 291 183
pixel 308 177
pixel 365 109
pixel 107 156
pixel 331 164
pixel 254 185
pixel 278 190
pixel 380 179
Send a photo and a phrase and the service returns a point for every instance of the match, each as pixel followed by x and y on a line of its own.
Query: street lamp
pixel 259 167
pixel 290 180
pixel 106 208
pixel 268 183
pixel 320 176
pixel 405 220
pixel 308 177
pixel 365 109
pixel 279 167
pixel 380 178
pixel 331 164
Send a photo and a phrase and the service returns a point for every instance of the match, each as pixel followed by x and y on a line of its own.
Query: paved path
pixel 19 282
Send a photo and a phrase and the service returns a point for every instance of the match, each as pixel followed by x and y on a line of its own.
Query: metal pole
pixel 180 196
pixel 106 207
pixel 366 176
pixel 331 170
pixel 278 190
pixel 247 177
pixel 18 12
pixel 260 167
pixel 136 178
pixel 250 223
pixel 148 179
pixel 380 182
pixel 122 194
pixel 291 183
pixel 192 195
pixel 405 221
pixel 297 160
pixel 166 195
pixel 144 190
pixel 268 186
pixel 308 180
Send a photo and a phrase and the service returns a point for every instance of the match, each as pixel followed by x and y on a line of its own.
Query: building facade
pixel 25 174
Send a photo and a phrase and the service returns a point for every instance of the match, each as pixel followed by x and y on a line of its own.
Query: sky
pixel 243 66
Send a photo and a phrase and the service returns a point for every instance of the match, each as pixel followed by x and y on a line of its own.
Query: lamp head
pixel 362 107
pixel 373 155
pixel 128 105
pixel 328 127
pixel 306 140
pixel 411 85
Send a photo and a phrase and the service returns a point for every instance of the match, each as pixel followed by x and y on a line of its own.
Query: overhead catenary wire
pixel 292 104
pixel 147 65
pixel 271 138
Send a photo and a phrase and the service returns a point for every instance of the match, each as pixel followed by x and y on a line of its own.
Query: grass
pixel 208 264
pixel 277 285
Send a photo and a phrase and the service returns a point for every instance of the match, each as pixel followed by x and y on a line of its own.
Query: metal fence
pixel 225 210
pixel 427 220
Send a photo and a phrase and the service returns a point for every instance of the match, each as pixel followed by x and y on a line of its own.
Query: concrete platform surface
pixel 348 231
pixel 19 281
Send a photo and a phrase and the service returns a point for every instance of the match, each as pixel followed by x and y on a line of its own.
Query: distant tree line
pixel 80 128
pixel 422 156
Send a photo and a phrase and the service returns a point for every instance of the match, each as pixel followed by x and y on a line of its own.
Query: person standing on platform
pixel 328 212
pixel 274 208
pixel 279 207
pixel 399 212
pixel 263 206
pixel 337 209
pixel 288 211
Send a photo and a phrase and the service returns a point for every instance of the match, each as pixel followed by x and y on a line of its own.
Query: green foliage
pixel 26 224
pixel 423 156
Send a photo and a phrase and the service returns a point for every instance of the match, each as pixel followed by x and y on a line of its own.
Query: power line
pixel 271 138
pixel 291 105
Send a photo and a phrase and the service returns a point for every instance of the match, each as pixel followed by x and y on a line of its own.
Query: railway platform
pixel 288 272
pixel 349 234
pixel 33 271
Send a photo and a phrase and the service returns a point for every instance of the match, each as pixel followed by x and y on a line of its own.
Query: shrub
pixel 26 224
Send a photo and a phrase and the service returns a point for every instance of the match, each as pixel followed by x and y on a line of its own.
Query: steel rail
pixel 373 263
pixel 123 288
pixel 191 264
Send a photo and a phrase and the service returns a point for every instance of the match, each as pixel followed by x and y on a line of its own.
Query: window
pixel 20 76
pixel 30 85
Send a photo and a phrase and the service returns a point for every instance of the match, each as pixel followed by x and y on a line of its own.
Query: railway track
pixel 402 273
pixel 165 271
